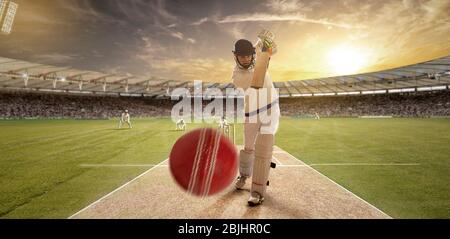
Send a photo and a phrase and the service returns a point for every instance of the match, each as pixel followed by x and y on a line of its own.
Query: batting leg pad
pixel 263 160
pixel 246 163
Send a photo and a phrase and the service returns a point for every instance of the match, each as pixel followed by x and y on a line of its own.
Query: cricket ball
pixel 203 162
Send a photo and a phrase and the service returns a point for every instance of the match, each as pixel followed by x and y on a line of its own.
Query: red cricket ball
pixel 204 162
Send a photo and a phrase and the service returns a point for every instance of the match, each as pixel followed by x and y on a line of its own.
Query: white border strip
pixel 341 186
pixel 117 189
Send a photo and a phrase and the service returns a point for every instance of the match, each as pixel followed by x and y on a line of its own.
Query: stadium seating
pixel 419 104
pixel 53 105
pixel 15 104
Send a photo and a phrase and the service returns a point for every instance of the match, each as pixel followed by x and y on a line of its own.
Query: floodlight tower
pixel 8 11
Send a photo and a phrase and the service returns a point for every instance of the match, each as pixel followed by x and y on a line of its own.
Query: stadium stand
pixel 16 104
pixel 29 90
pixel 420 104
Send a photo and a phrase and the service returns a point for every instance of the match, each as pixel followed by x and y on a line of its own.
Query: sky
pixel 193 40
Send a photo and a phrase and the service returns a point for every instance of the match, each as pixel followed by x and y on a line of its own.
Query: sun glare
pixel 346 60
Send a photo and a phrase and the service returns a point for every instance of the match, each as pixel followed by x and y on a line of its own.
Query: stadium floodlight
pixel 424 88
pixel 369 92
pixel 409 90
pixel 2 8
pixel 324 94
pixel 439 87
pixel 8 11
pixel 401 90
pixel 349 93
pixel 301 95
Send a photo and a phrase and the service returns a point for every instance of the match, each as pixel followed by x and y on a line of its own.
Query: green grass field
pixel 41 176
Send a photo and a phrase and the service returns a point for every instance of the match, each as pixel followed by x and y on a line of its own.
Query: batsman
pixel 262 112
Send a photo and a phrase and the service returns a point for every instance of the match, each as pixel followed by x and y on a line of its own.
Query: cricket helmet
pixel 244 48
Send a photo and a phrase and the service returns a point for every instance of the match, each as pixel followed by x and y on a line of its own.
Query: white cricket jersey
pixel 242 78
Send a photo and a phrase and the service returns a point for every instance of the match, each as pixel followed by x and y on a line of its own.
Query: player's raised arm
pixel 266 48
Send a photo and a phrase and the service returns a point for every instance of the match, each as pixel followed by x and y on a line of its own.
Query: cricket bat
pixel 262 59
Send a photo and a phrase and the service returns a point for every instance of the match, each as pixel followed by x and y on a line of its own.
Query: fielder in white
pixel 261 121
pixel 317 117
pixel 181 125
pixel 224 125
pixel 125 118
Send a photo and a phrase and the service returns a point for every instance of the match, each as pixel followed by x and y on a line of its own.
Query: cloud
pixel 56 58
pixel 148 50
pixel 118 70
pixel 236 31
pixel 139 10
pixel 37 17
pixel 284 6
pixel 191 40
pixel 84 11
pixel 403 32
pixel 97 54
pixel 199 22
pixel 178 35
pixel 436 9
pixel 266 17
pixel 160 7
pixel 205 69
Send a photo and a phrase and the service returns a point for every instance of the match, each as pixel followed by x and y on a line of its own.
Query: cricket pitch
pixel 296 191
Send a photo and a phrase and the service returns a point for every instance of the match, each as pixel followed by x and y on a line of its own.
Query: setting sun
pixel 346 60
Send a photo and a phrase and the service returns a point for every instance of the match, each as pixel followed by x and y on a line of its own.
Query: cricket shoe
pixel 240 182
pixel 255 199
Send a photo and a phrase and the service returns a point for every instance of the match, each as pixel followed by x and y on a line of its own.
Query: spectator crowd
pixel 54 105
pixel 418 104
pixel 15 104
